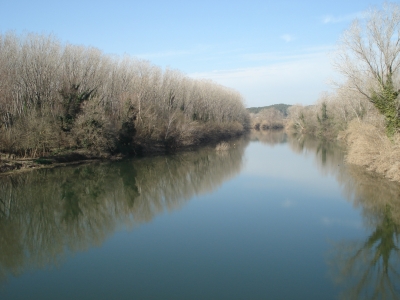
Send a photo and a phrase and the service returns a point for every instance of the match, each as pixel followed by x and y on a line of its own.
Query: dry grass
pixel 369 146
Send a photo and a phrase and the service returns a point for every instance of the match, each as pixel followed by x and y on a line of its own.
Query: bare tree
pixel 369 58
pixel 54 96
pixel 297 117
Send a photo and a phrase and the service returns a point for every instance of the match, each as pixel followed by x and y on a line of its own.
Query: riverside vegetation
pixel 268 118
pixel 364 111
pixel 58 97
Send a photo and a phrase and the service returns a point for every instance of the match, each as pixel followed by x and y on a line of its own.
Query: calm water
pixel 272 218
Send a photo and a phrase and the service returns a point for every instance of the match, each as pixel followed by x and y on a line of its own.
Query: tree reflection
pixel 46 213
pixel 329 156
pixel 270 137
pixel 370 270
pixel 367 269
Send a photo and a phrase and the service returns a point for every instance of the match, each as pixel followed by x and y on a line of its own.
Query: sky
pixel 270 51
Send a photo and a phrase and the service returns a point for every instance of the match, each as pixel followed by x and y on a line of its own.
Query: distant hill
pixel 283 108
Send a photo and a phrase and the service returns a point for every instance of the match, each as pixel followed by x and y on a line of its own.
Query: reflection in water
pixel 366 269
pixel 371 266
pixel 45 214
pixel 369 270
pixel 328 156
pixel 270 137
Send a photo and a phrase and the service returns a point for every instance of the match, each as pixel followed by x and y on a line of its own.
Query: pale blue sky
pixel 270 51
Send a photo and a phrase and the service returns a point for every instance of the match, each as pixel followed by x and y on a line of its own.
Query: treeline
pixel 364 111
pixel 56 96
pixel 267 119
pixel 283 108
pixel 331 115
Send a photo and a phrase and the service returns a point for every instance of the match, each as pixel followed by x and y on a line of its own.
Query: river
pixel 273 217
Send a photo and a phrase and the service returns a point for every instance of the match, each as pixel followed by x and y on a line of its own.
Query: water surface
pixel 274 217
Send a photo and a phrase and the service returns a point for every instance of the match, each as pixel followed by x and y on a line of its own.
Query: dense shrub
pixel 269 118
pixel 55 96
pixel 369 146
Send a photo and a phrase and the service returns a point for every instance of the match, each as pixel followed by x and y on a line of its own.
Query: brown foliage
pixel 369 146
pixel 92 129
pixel 61 96
pixel 270 118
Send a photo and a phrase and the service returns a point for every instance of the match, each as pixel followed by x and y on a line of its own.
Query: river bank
pixel 10 164
pixel 366 141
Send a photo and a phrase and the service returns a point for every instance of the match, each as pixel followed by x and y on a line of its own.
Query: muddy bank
pixel 12 164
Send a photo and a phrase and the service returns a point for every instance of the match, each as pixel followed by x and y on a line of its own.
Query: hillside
pixel 281 107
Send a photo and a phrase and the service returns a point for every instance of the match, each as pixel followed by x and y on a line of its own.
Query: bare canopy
pixel 369 50
pixel 368 56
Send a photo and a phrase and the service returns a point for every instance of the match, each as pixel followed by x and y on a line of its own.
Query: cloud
pixel 329 19
pixel 301 54
pixel 263 78
pixel 287 203
pixel 287 38
pixel 274 63
pixel 286 78
pixel 196 50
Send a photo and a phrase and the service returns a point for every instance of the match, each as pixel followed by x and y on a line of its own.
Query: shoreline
pixel 9 166
pixel 14 166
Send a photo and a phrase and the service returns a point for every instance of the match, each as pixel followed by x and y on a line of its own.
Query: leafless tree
pixel 368 56
pixel 56 96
